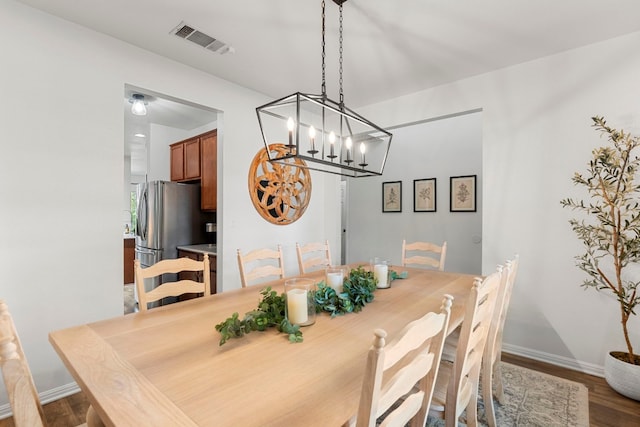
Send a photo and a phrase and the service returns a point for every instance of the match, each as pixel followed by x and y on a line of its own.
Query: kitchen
pixel 170 206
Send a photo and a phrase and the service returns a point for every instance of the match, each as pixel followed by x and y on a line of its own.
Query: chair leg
pixel 497 378
pixel 472 410
pixel 487 394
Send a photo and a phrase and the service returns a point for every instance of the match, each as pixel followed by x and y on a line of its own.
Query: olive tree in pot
pixel 610 232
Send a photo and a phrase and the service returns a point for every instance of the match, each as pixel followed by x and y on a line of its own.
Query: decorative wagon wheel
pixel 279 192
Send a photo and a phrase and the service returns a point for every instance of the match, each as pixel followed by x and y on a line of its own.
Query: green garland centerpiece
pixel 357 292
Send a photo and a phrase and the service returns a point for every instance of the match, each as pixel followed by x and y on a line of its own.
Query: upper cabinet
pixel 209 170
pixel 185 160
pixel 196 159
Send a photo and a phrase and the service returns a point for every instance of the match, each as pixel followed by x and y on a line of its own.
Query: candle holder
pixel 300 302
pixel 335 278
pixel 381 272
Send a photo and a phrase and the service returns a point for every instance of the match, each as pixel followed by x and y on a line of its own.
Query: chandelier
pixel 325 134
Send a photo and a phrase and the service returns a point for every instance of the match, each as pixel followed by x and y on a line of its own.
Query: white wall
pixel 536 134
pixel 450 146
pixel 61 127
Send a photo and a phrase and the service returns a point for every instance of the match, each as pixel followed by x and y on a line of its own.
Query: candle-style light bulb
pixel 362 150
pixel 348 143
pixel 332 141
pixel 312 140
pixel 290 124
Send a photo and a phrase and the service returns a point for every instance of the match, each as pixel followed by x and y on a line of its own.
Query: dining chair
pixel 23 395
pixel 172 289
pixel 274 266
pixel 313 256
pixel 414 357
pixel 491 366
pixel 457 383
pixel 430 255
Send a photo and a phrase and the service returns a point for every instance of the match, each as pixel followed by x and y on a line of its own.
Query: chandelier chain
pixel 324 79
pixel 341 90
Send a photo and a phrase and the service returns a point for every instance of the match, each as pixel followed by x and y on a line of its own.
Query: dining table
pixel 165 367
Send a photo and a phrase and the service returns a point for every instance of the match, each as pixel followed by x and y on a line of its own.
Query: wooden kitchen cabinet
pixel 197 276
pixel 186 160
pixel 129 255
pixel 196 159
pixel 209 178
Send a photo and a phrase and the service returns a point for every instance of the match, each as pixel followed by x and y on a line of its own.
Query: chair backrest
pixel 261 270
pixel 415 356
pixel 434 255
pixel 494 343
pixel 320 256
pixel 463 384
pixel 171 289
pixel 23 395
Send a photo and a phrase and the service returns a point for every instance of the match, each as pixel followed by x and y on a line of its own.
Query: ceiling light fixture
pixel 139 104
pixel 322 132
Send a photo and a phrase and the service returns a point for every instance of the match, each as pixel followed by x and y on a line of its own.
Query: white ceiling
pixel 391 47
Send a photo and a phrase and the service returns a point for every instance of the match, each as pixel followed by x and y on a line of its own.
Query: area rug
pixel 535 399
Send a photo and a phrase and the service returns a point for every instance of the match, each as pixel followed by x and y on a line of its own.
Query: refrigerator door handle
pixel 143 207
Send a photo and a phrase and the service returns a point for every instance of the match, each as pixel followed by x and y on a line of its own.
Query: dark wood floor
pixel 606 407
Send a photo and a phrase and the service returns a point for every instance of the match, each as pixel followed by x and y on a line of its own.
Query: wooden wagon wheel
pixel 279 192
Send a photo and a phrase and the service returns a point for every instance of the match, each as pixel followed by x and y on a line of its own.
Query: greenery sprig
pixel 357 292
pixel 270 313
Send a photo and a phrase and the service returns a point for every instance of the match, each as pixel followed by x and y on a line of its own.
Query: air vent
pixel 193 35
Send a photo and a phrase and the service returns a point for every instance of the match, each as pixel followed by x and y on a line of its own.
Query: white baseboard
pixel 45 397
pixel 565 362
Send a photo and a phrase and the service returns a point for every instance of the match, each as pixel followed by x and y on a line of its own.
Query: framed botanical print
pixel 392 196
pixel 462 193
pixel 424 195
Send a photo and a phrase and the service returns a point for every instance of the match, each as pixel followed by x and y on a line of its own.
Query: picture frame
pixel 463 192
pixel 392 196
pixel 424 195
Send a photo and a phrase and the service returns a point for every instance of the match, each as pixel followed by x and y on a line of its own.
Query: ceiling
pixel 161 110
pixel 391 47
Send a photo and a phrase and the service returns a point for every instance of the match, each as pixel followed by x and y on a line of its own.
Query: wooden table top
pixel 165 367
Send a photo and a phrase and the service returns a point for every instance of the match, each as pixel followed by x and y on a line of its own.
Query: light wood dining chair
pixel 457 383
pixel 171 289
pixel 23 395
pixel 491 365
pixel 414 356
pixel 313 256
pixel 274 266
pixel 430 254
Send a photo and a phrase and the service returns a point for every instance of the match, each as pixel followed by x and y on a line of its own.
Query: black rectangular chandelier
pixel 325 134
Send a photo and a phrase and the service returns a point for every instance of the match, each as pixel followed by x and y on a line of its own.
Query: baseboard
pixel 45 397
pixel 565 362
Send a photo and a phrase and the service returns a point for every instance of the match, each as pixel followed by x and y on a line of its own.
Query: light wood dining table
pixel 165 367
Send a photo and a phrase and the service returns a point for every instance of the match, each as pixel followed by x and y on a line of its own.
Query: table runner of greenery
pixel 358 291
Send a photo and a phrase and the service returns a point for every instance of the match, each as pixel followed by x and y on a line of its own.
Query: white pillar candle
pixel 297 311
pixel 380 272
pixel 335 281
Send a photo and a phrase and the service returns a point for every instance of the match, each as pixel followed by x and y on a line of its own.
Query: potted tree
pixel 610 232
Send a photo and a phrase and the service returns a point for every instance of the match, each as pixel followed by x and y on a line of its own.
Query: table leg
pixel 93 420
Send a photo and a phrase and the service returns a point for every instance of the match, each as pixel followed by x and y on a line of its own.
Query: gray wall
pixel 450 146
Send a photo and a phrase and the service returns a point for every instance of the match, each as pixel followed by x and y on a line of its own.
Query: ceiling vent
pixel 193 35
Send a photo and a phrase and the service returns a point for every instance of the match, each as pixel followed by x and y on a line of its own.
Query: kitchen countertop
pixel 202 249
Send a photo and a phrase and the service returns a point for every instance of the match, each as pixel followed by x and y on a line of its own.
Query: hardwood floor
pixel 606 407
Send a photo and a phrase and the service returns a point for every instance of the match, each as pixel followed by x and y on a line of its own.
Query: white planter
pixel 623 377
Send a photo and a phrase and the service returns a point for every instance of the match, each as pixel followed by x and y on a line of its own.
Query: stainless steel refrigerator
pixel 168 215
